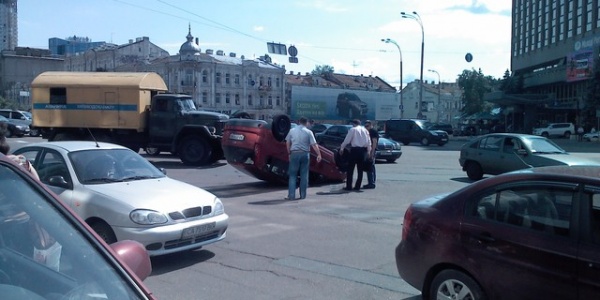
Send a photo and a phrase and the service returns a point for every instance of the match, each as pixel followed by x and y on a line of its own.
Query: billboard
pixel 580 65
pixel 342 104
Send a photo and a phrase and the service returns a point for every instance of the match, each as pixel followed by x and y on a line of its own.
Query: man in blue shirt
pixel 299 141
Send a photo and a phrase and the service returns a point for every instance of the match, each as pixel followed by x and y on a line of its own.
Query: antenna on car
pixel 93 137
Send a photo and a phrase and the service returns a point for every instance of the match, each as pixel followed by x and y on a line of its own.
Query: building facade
pixel 554 46
pixel 71 45
pixel 441 101
pixel 9 29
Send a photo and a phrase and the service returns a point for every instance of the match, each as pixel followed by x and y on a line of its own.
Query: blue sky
pixel 345 34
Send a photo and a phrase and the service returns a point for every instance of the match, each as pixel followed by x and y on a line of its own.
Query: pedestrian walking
pixel 371 175
pixel 580 133
pixel 360 147
pixel 299 141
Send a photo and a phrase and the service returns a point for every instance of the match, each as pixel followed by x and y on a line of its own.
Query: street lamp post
pixel 415 16
pixel 439 95
pixel 390 41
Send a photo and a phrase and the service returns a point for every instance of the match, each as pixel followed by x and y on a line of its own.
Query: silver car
pixel 499 153
pixel 122 196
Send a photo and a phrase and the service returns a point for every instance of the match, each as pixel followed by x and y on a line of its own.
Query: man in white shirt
pixel 299 141
pixel 360 147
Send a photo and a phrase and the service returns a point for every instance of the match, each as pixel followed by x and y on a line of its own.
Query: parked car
pixel 497 153
pixel 531 234
pixel 350 106
pixel 441 126
pixel 257 148
pixel 318 128
pixel 333 137
pixel 33 131
pixel 122 196
pixel 14 128
pixel 48 252
pixel 591 136
pixel 556 130
pixel 409 131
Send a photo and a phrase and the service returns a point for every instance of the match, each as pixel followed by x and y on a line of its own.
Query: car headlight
pixel 147 217
pixel 219 208
pixel 433 133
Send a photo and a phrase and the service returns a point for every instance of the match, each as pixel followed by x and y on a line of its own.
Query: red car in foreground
pixel 257 148
pixel 48 252
pixel 534 234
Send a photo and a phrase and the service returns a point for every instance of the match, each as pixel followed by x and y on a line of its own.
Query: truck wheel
pixel 152 151
pixel 194 151
pixel 280 127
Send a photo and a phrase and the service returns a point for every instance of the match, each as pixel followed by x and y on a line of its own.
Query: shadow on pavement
pixel 172 262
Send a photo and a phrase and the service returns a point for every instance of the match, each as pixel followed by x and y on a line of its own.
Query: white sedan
pixel 591 137
pixel 122 196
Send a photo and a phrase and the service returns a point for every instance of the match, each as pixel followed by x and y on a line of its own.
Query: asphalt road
pixel 332 245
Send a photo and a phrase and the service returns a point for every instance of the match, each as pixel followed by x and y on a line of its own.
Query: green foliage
pixel 322 70
pixel 5 103
pixel 510 84
pixel 474 85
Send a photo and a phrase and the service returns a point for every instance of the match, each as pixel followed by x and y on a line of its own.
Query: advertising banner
pixel 342 104
pixel 580 65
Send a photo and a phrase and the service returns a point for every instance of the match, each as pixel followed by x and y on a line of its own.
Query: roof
pixel 72 146
pixel 151 81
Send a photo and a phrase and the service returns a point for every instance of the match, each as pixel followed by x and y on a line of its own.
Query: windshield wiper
pixel 102 179
pixel 137 177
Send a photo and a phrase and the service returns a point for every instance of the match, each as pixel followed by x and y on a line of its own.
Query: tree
pixel 510 84
pixel 474 85
pixel 321 70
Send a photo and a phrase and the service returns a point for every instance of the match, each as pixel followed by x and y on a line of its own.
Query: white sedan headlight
pixel 147 217
pixel 219 208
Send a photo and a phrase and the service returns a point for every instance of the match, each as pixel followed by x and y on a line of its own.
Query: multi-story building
pixel 554 46
pixel 71 45
pixel 9 30
pixel 441 101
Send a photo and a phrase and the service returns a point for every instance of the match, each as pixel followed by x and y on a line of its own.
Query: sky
pixel 344 34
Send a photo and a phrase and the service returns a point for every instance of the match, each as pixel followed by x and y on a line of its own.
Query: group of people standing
pixel 363 144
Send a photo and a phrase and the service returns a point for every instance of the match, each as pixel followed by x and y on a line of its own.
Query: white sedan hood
pixel 163 194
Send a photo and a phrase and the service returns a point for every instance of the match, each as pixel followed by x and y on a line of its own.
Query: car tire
pixel 474 171
pixel 194 151
pixel 152 151
pixel 280 127
pixel 568 134
pixel 406 142
pixel 425 141
pixel 454 284
pixel 545 134
pixel 34 133
pixel 8 133
pixel 104 231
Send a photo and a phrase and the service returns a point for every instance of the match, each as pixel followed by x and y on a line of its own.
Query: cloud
pixel 327 6
pixel 481 8
pixel 258 28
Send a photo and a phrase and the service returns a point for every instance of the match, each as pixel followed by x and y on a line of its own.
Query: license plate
pixel 197 230
pixel 444 140
pixel 236 137
pixel 385 153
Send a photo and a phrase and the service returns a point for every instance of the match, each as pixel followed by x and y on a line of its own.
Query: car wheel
pixel 406 142
pixel 474 171
pixel 425 141
pixel 568 134
pixel 34 133
pixel 452 284
pixel 545 134
pixel 152 151
pixel 280 127
pixel 104 231
pixel 8 133
pixel 194 151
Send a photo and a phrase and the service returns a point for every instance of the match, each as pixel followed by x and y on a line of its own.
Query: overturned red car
pixel 257 148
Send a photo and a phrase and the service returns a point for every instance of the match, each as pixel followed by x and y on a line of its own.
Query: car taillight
pixel 406 223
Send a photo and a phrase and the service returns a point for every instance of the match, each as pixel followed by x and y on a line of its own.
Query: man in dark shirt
pixel 374 136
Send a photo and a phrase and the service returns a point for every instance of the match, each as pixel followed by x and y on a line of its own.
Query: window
pixel 237 79
pixel 204 76
pixel 595 218
pixel 227 101
pixel 218 77
pixel 58 95
pixel 542 208
pixel 276 82
pixel 227 78
pixel 278 101
pixel 205 97
pixel 249 99
pixel 217 98
pixel 237 99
